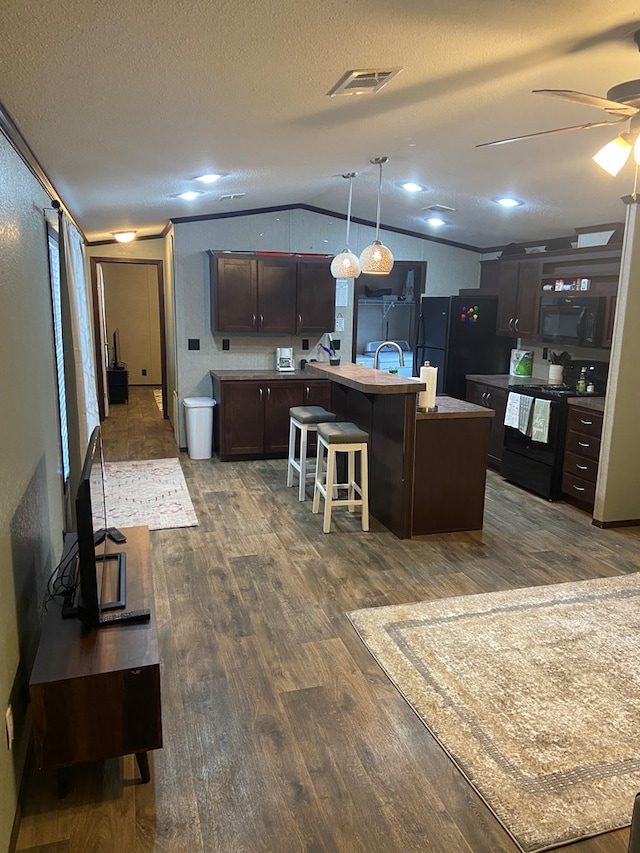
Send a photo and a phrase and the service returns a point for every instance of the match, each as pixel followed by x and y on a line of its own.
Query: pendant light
pixel 346 264
pixel 376 259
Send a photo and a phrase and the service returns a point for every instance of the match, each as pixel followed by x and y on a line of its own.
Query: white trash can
pixel 199 416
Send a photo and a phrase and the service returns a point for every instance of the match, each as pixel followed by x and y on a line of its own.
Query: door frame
pixel 159 266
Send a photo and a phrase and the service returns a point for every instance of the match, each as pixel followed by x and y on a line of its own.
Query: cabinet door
pixel 476 393
pixel 316 296
pixel 277 296
pixel 234 293
pixel 242 419
pixel 508 300
pixel 529 277
pixel 496 399
pixel 318 393
pixel 280 396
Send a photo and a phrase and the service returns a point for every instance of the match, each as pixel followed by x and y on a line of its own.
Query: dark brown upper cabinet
pixel 271 295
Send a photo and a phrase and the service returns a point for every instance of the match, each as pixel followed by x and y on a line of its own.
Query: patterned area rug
pixel 534 694
pixel 151 492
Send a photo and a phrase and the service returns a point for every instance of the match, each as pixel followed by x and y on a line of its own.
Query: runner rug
pixel 152 492
pixel 533 693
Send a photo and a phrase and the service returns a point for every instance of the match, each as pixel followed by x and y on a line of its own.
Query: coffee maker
pixel 284 359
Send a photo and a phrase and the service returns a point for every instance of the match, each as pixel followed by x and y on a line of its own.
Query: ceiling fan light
pixel 376 259
pixel 345 265
pixel 612 156
pixel 636 150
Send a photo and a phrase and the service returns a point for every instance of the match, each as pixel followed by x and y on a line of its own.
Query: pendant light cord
pixel 379 204
pixel 349 208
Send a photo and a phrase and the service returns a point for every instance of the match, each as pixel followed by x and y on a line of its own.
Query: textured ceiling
pixel 124 103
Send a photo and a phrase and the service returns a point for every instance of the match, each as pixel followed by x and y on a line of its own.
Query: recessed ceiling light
pixel 209 178
pixel 435 221
pixel 189 195
pixel 411 187
pixel 124 236
pixel 509 202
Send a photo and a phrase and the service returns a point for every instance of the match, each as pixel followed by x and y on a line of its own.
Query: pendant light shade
pixel 614 154
pixel 376 259
pixel 346 264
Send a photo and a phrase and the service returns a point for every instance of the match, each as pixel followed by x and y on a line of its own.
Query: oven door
pixel 536 465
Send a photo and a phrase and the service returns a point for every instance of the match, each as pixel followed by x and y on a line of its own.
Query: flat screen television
pixel 95 557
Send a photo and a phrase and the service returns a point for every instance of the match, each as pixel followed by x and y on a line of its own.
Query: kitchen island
pixel 427 470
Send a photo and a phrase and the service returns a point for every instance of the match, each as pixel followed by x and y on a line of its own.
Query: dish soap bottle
pixel 581 387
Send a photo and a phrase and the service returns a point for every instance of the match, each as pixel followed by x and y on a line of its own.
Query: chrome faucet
pixel 387 344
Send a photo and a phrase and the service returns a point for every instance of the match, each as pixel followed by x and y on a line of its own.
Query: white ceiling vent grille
pixel 363 82
pixel 231 196
pixel 438 209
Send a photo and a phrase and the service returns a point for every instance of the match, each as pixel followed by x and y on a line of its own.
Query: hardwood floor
pixel 280 731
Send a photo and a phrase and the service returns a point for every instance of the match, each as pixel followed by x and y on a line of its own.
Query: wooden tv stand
pixel 96 694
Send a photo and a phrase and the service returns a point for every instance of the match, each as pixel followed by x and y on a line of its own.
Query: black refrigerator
pixel 457 334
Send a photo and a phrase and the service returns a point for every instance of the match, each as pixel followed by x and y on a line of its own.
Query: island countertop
pixel 450 407
pixel 366 379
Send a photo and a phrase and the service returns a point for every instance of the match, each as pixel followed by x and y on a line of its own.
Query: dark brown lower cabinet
pixel 581 455
pixel 251 420
pixel 491 397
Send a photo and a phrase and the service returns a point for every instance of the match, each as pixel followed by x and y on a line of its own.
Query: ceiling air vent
pixel 437 208
pixel 231 196
pixel 364 82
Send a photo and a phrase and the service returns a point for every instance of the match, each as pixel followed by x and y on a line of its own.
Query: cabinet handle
pixel 586 423
pixel 484 398
pixel 268 392
pixel 581 467
pixel 307 392
pixel 515 325
pixel 262 319
pixel 253 320
pixel 584 444
pixel 488 399
pixel 511 324
pixel 260 390
pixel 580 488
pixel 299 319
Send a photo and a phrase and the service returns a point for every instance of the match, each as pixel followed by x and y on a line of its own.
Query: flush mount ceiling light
pixel 376 259
pixel 189 195
pixel 346 264
pixel 209 178
pixel 124 236
pixel 411 187
pixel 435 221
pixel 509 202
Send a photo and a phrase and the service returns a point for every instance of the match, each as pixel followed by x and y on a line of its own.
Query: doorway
pixel 129 323
pixel 385 307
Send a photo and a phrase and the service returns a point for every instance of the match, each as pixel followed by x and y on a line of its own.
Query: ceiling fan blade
pixel 554 130
pixel 613 107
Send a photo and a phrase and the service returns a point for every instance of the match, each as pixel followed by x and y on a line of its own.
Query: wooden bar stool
pixel 341 438
pixel 303 418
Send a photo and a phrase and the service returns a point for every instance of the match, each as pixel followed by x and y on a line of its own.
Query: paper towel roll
pixel 428 375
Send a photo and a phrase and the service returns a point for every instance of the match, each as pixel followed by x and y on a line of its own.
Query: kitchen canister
pixel 555 374
pixel 521 362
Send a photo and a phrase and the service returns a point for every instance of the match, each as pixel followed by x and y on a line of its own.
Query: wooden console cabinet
pixel 96 695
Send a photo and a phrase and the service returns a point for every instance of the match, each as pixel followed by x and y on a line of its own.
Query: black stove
pixel 552 392
pixel 537 465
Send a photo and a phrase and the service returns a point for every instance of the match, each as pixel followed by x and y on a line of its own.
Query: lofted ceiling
pixel 124 103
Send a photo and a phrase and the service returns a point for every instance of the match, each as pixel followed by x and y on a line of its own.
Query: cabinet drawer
pixel 580 466
pixel 583 445
pixel 581 490
pixel 586 422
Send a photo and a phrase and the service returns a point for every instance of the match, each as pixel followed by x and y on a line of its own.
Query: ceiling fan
pixel 622 103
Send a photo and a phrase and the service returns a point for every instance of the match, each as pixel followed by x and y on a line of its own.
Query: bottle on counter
pixel 590 388
pixel 581 387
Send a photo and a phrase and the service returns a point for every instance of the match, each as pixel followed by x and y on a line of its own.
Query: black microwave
pixel 577 320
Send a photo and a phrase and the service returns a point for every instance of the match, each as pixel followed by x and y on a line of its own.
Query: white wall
pixel 31 504
pixel 448 269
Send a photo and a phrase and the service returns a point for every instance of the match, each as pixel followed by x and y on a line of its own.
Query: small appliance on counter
pixel 284 360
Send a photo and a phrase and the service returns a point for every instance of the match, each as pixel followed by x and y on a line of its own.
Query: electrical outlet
pixel 144 371
pixel 8 719
pixel 193 343
pixel 225 344
pixel 305 344
pixel 336 344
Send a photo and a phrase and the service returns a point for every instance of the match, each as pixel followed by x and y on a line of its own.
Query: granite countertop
pixel 251 373
pixel 501 380
pixel 365 379
pixel 450 407
pixel 594 404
